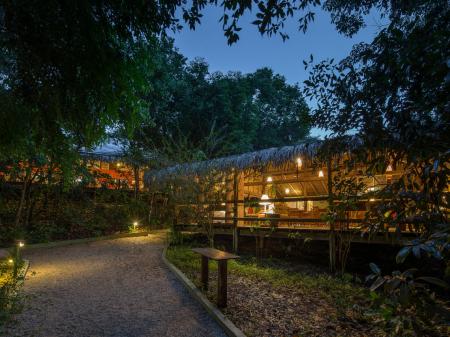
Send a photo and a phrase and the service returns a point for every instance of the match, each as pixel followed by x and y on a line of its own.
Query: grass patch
pixel 341 292
pixel 278 298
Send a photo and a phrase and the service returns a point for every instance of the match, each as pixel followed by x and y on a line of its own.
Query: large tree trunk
pixel 136 181
pixel 22 199
pixel 28 207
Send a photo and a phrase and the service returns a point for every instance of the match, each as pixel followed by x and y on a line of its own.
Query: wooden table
pixel 222 258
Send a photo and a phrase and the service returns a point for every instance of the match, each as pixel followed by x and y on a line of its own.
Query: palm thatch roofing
pixel 276 156
pixel 113 153
pixel 102 156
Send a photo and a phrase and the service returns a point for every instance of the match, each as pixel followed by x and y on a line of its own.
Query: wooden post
pixel 205 272
pixel 222 284
pixel 235 212
pixel 228 198
pixel 332 239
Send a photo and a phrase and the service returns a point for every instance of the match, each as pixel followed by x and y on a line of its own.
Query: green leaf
pixel 433 280
pixel 403 254
pixel 374 268
pixel 378 283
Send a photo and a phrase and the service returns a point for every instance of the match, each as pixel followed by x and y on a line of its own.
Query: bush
pixel 55 214
pixel 9 293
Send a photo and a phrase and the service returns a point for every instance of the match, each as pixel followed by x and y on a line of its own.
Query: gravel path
pixel 117 288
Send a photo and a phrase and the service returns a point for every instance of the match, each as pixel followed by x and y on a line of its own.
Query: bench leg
pixel 222 286
pixel 205 272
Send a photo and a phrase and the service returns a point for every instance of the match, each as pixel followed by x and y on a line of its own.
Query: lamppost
pixel 17 256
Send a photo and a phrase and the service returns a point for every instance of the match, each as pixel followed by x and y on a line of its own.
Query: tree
pixel 394 94
pixel 282 112
pixel 254 111
pixel 69 70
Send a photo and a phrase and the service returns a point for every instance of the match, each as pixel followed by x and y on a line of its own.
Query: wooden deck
pixel 311 232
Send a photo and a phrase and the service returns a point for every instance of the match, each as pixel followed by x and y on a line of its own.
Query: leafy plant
pixel 408 305
pixel 10 298
pixel 346 193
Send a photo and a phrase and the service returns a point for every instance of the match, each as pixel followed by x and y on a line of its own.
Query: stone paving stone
pixel 115 288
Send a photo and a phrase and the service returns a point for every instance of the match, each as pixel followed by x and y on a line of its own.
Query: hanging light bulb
pixel 263 202
pixel 287 191
pixel 389 168
pixel 269 179
pixel 264 197
pixel 320 174
pixel 299 162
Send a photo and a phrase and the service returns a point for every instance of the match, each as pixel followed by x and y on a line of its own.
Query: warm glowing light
pixel 10 261
pixel 118 164
pixel 299 162
pixel 371 199
pixel 264 197
pixel 21 244
pixel 135 224
pixel 321 174
pixel 287 191
pixel 389 168
pixel 223 204
pixel 265 203
pixel 269 179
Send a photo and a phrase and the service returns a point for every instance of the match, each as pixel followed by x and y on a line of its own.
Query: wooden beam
pixel 356 220
pixel 314 188
pixel 235 211
pixel 285 181
pixel 332 239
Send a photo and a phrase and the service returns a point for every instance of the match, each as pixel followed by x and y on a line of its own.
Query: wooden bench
pixel 222 258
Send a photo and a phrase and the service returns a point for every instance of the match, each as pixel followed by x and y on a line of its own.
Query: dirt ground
pixel 114 288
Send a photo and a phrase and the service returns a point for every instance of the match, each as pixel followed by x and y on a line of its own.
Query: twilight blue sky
pixel 254 51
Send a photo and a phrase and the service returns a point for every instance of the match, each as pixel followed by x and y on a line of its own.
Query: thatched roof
pixel 102 156
pixel 276 156
pixel 115 152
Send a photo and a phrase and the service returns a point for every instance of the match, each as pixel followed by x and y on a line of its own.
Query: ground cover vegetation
pixel 11 280
pixel 278 298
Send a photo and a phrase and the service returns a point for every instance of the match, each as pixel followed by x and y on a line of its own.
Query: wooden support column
pixel 235 211
pixel 229 195
pixel 332 238
pixel 238 208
